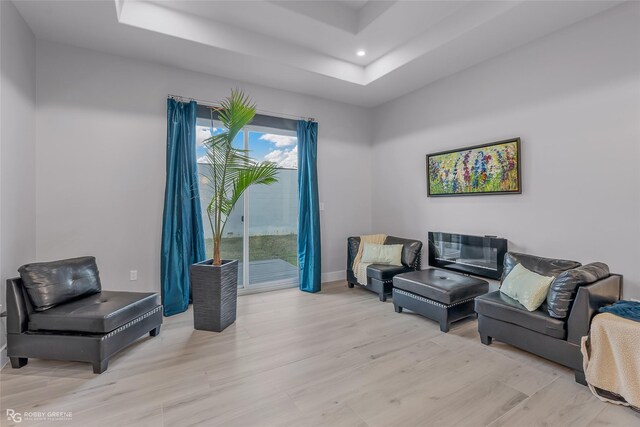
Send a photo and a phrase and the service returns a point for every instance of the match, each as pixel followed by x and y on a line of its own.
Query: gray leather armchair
pixel 380 276
pixel 554 338
pixel 58 310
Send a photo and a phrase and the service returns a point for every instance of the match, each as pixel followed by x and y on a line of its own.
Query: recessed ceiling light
pixel 361 52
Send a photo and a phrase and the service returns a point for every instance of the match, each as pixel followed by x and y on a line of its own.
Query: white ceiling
pixel 309 46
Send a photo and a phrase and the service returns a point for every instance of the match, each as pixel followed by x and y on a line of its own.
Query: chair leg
pixel 155 332
pixel 397 308
pixel 485 339
pixel 18 362
pixel 382 296
pixel 350 285
pixel 580 377
pixel 101 366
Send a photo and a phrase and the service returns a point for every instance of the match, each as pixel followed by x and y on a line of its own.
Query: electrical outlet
pixel 133 275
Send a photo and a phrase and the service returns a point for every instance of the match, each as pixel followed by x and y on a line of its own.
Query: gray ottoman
pixel 437 294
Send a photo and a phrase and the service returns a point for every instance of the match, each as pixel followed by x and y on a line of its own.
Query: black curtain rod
pixel 214 106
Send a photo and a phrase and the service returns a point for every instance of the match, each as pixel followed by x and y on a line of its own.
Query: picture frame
pixel 486 169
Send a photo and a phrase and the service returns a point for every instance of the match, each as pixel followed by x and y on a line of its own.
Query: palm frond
pixel 264 173
pixel 236 112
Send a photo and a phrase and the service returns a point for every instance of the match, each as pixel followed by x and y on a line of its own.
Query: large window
pixel 263 226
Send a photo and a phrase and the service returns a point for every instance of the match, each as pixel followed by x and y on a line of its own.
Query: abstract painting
pixel 482 169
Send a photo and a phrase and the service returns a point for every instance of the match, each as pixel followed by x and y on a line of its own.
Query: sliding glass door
pixel 272 210
pixel 262 230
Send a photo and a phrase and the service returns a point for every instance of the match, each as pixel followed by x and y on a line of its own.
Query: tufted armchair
pixel 380 276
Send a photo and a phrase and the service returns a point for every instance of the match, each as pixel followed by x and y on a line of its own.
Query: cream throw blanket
pixel 611 357
pixel 360 268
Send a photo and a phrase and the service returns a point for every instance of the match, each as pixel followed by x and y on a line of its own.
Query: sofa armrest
pixel 353 244
pixel 417 265
pixel 588 300
pixel 18 307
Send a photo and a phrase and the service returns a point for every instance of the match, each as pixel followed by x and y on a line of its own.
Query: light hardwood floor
pixel 336 358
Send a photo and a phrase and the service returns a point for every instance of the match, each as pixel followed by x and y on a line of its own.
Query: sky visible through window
pixel 277 148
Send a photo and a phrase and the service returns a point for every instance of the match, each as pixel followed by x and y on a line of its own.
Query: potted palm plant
pixel 230 171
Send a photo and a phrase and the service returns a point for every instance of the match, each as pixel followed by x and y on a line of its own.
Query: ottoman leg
pixel 444 321
pixel 382 296
pixel 155 332
pixel 485 339
pixel 397 308
pixel 100 366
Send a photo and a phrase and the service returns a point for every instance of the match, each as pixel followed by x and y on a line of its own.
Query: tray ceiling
pixel 309 46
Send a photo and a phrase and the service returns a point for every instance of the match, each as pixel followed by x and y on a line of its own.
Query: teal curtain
pixel 182 233
pixel 309 255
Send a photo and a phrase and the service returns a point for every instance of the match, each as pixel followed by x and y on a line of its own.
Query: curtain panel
pixel 309 250
pixel 182 232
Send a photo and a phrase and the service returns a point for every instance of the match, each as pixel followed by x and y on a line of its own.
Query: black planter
pixel 215 294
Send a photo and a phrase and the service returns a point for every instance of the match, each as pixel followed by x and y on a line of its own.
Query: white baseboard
pixel 333 276
pixel 3 356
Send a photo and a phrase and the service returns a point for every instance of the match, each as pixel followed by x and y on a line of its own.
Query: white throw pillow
pixel 382 254
pixel 527 287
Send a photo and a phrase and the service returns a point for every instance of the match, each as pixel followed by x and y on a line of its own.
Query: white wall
pixel 17 148
pixel 574 99
pixel 100 171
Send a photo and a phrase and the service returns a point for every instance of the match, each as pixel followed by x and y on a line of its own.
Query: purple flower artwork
pixel 485 169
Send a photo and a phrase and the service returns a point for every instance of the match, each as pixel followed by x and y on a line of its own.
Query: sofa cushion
pixel 440 285
pixel 51 283
pixel 540 265
pixel 410 249
pixel 98 313
pixel 384 271
pixel 563 290
pixel 382 254
pixel 501 307
pixel 527 287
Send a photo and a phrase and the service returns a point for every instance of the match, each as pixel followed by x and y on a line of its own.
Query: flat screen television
pixel 477 255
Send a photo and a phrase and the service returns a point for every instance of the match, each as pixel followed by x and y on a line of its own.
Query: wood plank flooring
pixel 336 358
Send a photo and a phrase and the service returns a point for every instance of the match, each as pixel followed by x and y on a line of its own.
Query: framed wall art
pixel 486 169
